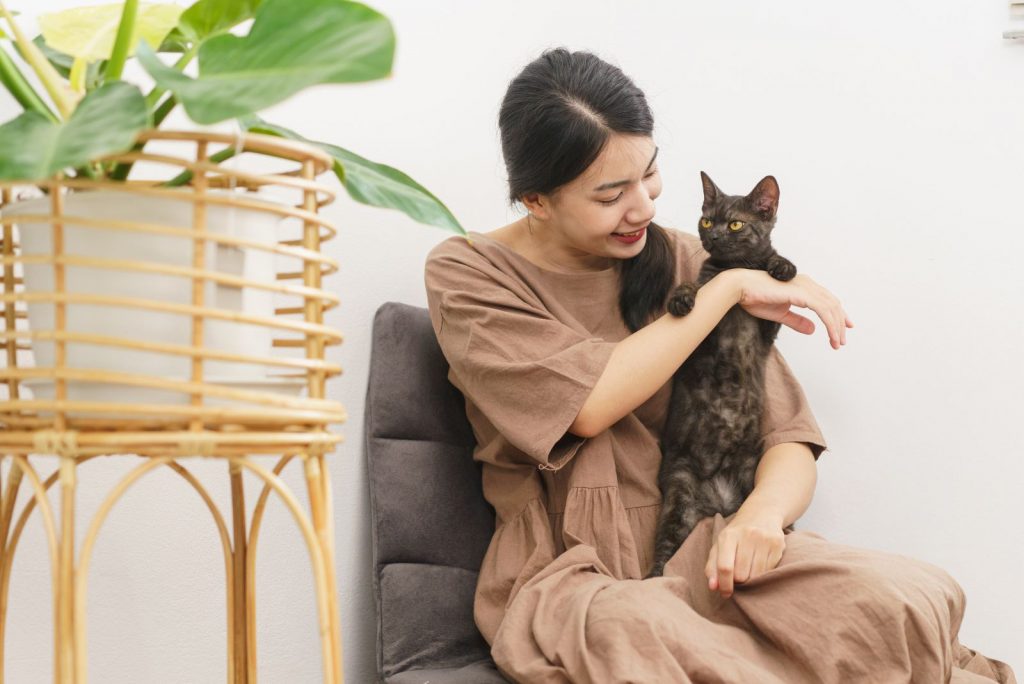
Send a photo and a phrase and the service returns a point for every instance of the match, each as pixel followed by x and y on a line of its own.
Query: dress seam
pixel 519 514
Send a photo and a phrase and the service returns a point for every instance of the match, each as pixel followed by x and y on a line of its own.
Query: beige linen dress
pixel 559 597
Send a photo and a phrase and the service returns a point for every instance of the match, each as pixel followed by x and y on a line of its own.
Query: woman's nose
pixel 643 212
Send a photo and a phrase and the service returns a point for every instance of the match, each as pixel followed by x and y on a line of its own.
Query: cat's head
pixel 737 228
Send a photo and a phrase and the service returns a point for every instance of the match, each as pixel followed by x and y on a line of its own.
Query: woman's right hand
pixel 765 297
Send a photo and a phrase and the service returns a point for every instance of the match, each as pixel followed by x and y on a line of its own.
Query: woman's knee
pixel 919 604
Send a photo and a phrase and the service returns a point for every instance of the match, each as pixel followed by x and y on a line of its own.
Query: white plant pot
pixel 145 325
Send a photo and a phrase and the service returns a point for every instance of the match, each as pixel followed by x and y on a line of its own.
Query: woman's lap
pixel 827 613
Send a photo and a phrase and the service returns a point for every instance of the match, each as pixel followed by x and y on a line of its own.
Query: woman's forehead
pixel 624 158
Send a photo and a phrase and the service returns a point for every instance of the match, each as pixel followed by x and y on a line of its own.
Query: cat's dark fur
pixel 712 439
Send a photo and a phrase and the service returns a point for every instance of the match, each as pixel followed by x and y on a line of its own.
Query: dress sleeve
pixel 787 416
pixel 527 372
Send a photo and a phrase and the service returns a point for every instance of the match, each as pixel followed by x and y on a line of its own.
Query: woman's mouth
pixel 630 237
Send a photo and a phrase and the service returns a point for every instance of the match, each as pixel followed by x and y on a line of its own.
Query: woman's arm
pixel 643 362
pixel 753 541
pixel 784 484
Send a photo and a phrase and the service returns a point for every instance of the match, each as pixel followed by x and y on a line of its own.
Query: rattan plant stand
pixel 192 415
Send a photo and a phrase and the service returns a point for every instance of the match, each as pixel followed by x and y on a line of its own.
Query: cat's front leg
pixel 780 268
pixel 682 299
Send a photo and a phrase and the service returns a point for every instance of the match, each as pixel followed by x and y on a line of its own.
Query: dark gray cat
pixel 711 443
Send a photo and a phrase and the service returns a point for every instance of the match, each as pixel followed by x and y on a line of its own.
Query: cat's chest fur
pixel 714 414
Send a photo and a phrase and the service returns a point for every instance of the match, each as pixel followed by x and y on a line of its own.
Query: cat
pixel 712 440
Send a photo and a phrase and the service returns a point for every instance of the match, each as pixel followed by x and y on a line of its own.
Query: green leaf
pixel 105 122
pixel 174 42
pixel 371 183
pixel 293 44
pixel 208 18
pixel 88 32
pixel 62 63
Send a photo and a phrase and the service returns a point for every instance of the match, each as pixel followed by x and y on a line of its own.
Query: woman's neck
pixel 544 247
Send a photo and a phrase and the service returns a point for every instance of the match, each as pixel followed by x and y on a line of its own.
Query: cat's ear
pixel 764 198
pixel 711 191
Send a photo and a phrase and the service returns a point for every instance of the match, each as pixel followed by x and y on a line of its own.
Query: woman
pixel 567 407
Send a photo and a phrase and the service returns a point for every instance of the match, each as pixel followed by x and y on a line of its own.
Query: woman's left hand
pixel 749 546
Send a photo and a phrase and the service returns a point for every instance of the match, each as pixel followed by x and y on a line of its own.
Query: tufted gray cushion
pixel 430 522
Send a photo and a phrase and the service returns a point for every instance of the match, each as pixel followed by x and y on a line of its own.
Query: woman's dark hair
pixel 556 117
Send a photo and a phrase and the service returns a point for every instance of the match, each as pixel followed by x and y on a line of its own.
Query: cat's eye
pixel 705 223
pixel 735 225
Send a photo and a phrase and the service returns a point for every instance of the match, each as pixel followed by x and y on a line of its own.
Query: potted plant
pixel 89 112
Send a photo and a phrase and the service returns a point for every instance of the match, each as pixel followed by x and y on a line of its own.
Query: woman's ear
pixel 537 204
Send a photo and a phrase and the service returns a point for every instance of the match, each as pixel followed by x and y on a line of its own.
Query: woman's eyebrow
pixel 615 184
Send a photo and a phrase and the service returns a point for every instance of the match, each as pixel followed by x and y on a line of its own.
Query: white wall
pixel 895 132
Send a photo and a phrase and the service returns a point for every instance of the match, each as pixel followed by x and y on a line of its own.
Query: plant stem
pixel 21 89
pixel 186 176
pixel 122 44
pixel 76 75
pixel 52 81
pixel 121 170
pixel 165 108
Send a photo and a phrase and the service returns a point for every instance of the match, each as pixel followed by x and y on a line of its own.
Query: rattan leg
pixel 70 629
pixel 242 618
pixel 20 466
pixel 319 503
pixel 316 558
pixel 6 551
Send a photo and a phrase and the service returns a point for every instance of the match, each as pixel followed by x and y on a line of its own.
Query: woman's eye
pixel 616 198
pixel 705 223
pixel 735 225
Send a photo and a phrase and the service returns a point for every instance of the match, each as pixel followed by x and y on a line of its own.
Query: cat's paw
pixel 682 299
pixel 781 268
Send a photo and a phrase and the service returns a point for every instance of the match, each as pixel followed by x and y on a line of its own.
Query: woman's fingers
pixel 764 297
pixel 759 563
pixel 801 324
pixel 828 317
pixel 831 313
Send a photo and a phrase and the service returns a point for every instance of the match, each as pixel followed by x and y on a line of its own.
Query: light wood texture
pixel 258 423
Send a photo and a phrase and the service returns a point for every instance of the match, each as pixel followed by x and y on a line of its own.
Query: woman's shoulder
pixel 456 246
pixel 470 245
pixel 471 262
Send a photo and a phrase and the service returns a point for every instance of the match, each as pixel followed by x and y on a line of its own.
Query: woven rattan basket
pixel 194 403
pixel 243 383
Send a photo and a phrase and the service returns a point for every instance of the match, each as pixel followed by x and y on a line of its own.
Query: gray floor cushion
pixel 430 522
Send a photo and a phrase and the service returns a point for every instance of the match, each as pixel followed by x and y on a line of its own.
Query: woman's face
pixel 579 224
